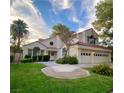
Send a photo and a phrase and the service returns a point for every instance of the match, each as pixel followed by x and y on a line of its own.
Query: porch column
pixel 32 53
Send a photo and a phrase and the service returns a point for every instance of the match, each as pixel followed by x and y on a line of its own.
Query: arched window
pixel 36 51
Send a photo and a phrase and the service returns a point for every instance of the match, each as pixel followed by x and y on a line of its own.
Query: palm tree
pixel 18 31
pixel 65 35
pixel 59 29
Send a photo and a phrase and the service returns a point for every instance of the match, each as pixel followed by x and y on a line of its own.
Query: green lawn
pixel 28 78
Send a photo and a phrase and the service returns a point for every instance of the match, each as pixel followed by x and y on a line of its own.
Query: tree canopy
pixel 18 31
pixel 64 33
pixel 104 21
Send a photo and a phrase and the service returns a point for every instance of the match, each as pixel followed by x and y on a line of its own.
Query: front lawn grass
pixel 28 78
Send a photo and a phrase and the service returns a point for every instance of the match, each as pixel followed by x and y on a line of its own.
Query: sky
pixel 42 15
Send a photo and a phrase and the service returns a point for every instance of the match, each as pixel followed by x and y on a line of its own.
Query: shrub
pixel 26 60
pixel 40 58
pixel 103 69
pixel 11 59
pixel 67 60
pixel 61 61
pixel 34 58
pixel 46 58
pixel 27 56
pixel 73 60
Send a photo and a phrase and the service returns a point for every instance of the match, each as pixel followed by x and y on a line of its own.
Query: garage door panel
pixel 85 57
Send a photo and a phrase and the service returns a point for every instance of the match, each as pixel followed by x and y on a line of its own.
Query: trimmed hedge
pixel 27 56
pixel 67 60
pixel 46 58
pixel 40 58
pixel 34 58
pixel 103 69
pixel 26 60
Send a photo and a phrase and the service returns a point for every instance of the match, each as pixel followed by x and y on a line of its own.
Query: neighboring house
pixel 85 47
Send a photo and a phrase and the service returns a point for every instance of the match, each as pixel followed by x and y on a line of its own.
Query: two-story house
pixel 85 48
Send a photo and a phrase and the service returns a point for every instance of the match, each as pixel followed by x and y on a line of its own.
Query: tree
pixel 65 35
pixel 18 32
pixel 104 21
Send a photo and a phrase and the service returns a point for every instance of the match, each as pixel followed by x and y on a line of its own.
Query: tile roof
pixel 90 45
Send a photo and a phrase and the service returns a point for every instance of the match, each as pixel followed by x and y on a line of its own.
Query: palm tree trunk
pixel 18 45
pixel 18 52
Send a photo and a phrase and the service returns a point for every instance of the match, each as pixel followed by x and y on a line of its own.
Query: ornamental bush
pixel 103 69
pixel 67 60
pixel 73 60
pixel 26 60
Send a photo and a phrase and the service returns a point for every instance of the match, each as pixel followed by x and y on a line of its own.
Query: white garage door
pixel 93 57
pixel 100 57
pixel 85 57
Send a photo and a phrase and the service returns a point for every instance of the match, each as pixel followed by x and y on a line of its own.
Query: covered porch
pixel 37 51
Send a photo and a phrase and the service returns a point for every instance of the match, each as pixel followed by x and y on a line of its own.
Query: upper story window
pixel 91 39
pixel 51 43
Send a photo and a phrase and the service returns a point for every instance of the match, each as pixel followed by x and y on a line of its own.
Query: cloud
pixel 58 5
pixel 75 19
pixel 61 4
pixel 89 6
pixel 25 10
pixel 74 15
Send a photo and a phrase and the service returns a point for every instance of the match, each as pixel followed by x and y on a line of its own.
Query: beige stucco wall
pixel 73 51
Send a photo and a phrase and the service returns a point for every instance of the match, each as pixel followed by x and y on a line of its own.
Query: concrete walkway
pixel 65 71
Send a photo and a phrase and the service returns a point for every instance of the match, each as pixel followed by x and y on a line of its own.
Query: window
pixel 86 54
pixel 91 39
pixel 30 52
pixel 42 52
pixel 51 43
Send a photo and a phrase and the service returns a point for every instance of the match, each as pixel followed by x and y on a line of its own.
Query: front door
pixel 53 55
